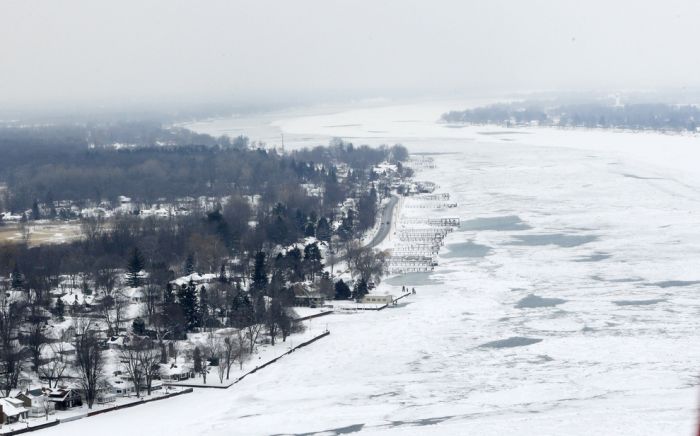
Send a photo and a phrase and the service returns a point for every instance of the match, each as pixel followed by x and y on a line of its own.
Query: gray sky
pixel 162 50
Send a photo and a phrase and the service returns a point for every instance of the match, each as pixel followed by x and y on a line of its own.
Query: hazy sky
pixel 66 51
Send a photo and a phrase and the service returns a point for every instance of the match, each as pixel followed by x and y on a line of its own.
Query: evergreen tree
pixel 333 191
pixel 278 230
pixel 168 296
pixel 259 282
pixel 60 309
pixel 36 214
pixel 241 311
pixel 16 278
pixel 52 206
pixel 347 226
pixel 325 286
pixel 197 360
pixel 312 260
pixel 300 220
pixel 223 277
pixel 342 290
pixel 203 306
pixel 189 264
pixel 134 267
pixel 367 210
pixel 173 317
pixel 187 299
pixel 310 229
pixel 360 289
pixel 138 327
pixel 293 260
pixel 323 230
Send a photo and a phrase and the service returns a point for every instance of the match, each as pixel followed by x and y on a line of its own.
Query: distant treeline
pixel 590 115
pixel 65 168
pixel 79 163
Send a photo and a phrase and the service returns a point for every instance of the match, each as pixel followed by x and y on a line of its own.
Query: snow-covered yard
pixel 264 352
pixel 82 411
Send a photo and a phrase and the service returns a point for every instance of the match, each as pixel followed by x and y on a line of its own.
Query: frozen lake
pixel 567 304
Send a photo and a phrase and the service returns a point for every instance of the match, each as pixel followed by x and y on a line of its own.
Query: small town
pixel 77 343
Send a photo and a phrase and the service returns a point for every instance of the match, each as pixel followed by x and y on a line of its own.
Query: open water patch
pixel 504 132
pixel 675 283
pixel 634 176
pixel 618 280
pixel 467 249
pixel 332 431
pixel 595 257
pixel 532 301
pixel 421 422
pixel 498 223
pixel 559 239
pixel 640 302
pixel 515 341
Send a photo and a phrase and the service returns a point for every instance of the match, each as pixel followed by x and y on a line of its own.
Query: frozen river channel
pixel 568 303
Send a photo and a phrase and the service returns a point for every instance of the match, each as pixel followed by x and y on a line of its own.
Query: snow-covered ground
pixel 567 304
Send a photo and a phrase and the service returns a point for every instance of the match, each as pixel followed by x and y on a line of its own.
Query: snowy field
pixel 567 304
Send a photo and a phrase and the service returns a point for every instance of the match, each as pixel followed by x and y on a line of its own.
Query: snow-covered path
pixel 588 257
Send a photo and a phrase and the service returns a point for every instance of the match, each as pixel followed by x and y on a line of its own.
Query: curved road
pixel 385 224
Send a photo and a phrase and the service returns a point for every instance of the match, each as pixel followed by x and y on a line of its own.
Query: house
pixel 377 299
pixel 305 298
pixel 117 342
pixel 156 385
pixel 57 350
pixel 37 402
pixel 65 398
pixel 135 295
pixel 108 392
pixel 122 387
pixel 174 373
pixel 196 278
pixel 12 410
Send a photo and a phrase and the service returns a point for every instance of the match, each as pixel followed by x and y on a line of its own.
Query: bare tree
pixel 53 370
pixel 252 332
pixel 277 321
pixel 25 231
pixel 129 358
pixel 46 405
pixel 221 369
pixel 91 227
pixel 36 340
pixel 120 303
pixel 365 262
pixel 234 349
pixel 11 352
pixel 152 294
pixel 149 358
pixel 88 359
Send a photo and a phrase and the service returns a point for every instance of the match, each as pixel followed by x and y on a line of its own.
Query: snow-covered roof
pixel 174 368
pixel 117 340
pixel 32 393
pixel 196 278
pixel 78 297
pixel 12 406
pixel 134 292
